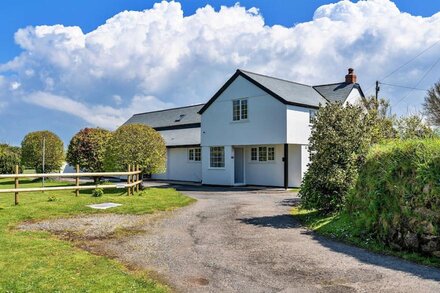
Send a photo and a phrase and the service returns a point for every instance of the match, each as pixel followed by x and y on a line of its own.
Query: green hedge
pixel 397 195
pixel 9 157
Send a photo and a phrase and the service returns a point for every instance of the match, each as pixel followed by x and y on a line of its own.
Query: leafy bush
pixel 339 141
pixel 397 195
pixel 97 192
pixel 136 144
pixel 32 151
pixel 9 158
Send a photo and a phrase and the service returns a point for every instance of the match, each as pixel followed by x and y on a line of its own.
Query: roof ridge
pixel 326 84
pixel 169 109
pixel 298 83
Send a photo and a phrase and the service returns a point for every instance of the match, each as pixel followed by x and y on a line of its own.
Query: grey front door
pixel 239 165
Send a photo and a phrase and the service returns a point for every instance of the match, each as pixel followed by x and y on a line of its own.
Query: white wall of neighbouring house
pixel 298 125
pixel 354 97
pixel 179 167
pixel 269 173
pixel 266 123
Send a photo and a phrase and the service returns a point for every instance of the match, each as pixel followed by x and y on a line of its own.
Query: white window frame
pixel 243 110
pixel 194 154
pixel 220 161
pixel 260 154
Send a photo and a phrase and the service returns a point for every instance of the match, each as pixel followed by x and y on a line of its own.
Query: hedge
pixel 9 158
pixel 397 195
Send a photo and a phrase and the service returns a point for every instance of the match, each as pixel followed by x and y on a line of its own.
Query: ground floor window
pixel 263 154
pixel 194 155
pixel 217 157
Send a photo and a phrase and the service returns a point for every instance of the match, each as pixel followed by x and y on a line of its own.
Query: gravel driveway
pixel 245 241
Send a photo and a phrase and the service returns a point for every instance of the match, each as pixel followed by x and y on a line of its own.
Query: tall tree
pixel 32 151
pixel 379 118
pixel 9 158
pixel 136 144
pixel 87 149
pixel 432 104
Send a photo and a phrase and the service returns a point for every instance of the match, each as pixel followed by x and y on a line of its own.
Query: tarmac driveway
pixel 245 241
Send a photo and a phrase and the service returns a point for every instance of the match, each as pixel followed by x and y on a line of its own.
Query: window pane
pixel 236 110
pixel 244 109
pixel 254 154
pixel 191 154
pixel 217 157
pixel 271 154
pixel 197 155
pixel 262 154
pixel 312 114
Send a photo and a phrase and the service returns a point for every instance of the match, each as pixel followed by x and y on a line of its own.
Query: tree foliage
pixel 341 136
pixel 136 144
pixel 87 149
pixel 32 151
pixel 432 105
pixel 9 158
pixel 412 127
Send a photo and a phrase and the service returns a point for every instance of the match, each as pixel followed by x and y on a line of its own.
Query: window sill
pixel 240 121
pixel 216 168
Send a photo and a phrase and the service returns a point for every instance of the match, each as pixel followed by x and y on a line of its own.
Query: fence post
pixel 129 180
pixel 137 178
pixel 77 179
pixel 16 185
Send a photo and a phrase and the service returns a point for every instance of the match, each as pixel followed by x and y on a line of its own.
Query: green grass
pixel 39 262
pixel 340 227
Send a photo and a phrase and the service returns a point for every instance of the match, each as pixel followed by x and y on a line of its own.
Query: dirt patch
pixel 95 227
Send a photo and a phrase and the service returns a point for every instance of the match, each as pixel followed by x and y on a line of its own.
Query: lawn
pixel 39 262
pixel 340 227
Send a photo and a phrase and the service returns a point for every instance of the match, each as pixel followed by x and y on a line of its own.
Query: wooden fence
pixel 133 181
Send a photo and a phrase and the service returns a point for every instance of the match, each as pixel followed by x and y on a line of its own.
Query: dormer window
pixel 179 118
pixel 239 109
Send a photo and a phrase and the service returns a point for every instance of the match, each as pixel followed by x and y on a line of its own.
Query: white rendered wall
pixel 298 126
pixel 218 176
pixel 265 173
pixel 179 167
pixel 354 97
pixel 266 123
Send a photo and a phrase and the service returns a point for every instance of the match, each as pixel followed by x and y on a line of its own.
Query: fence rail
pixel 133 181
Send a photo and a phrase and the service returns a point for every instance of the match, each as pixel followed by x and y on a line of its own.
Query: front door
pixel 239 165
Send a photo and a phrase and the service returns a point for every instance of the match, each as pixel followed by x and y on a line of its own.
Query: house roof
pixel 337 92
pixel 291 93
pixel 175 118
pixel 178 126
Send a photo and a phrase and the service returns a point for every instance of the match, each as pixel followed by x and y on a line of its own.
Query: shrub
pixel 97 192
pixel 87 149
pixel 9 158
pixel 397 195
pixel 32 151
pixel 339 141
pixel 136 144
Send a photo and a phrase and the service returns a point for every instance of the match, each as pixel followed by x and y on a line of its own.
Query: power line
pixel 402 86
pixel 420 80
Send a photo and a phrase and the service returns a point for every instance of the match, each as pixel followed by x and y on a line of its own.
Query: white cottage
pixel 253 131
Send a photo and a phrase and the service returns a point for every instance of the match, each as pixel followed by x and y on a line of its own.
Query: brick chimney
pixel 350 77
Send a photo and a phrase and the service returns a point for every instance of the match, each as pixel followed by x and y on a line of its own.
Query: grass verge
pixel 39 262
pixel 340 227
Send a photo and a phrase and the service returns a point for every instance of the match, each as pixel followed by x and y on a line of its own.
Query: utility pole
pixel 44 155
pixel 377 90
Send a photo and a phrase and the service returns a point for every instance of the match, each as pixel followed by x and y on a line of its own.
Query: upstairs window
pixel 194 155
pixel 239 109
pixel 263 154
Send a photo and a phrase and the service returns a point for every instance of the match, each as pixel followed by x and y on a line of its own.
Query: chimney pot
pixel 350 77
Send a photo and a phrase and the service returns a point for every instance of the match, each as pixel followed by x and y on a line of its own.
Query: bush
pixel 136 144
pixel 97 192
pixel 339 141
pixel 32 151
pixel 397 195
pixel 9 158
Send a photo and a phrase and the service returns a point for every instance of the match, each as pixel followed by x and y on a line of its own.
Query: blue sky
pixel 40 89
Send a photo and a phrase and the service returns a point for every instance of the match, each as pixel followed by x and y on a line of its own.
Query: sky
pixel 65 65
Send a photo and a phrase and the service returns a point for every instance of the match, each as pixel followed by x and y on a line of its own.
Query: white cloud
pixel 158 58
